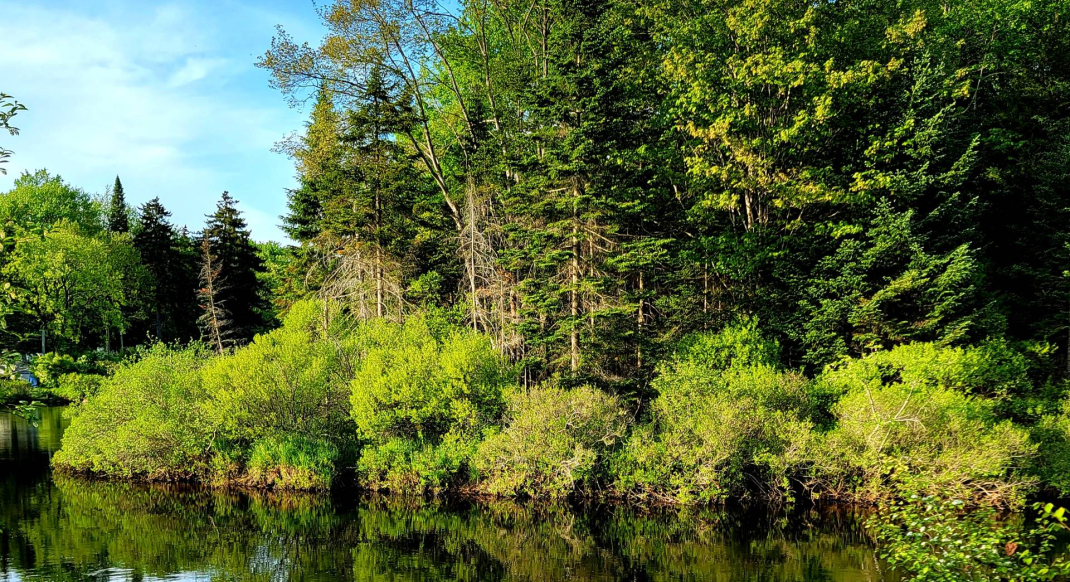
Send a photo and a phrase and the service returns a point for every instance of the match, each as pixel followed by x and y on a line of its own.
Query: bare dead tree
pixel 214 321
pixel 364 278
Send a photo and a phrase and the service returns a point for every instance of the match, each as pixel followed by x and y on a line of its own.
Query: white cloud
pixel 194 70
pixel 167 98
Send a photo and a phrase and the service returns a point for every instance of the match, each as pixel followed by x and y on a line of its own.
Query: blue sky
pixel 163 94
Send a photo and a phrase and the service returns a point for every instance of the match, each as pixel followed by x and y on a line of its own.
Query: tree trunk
pixel 574 338
pixel 639 322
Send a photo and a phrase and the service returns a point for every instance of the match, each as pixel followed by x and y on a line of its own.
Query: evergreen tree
pixel 236 263
pixel 173 309
pixel 118 219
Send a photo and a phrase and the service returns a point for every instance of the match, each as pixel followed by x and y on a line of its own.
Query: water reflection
pixel 66 529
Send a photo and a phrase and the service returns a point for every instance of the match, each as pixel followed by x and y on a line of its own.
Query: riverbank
pixel 55 527
pixel 430 407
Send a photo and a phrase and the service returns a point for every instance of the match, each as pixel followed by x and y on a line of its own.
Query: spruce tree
pixel 174 277
pixel 118 221
pixel 236 259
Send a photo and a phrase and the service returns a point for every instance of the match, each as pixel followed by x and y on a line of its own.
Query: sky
pixel 163 94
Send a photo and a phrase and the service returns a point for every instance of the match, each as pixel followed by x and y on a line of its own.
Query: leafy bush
pixel 146 421
pixel 75 387
pixel 723 413
pixel 554 442
pixel 908 418
pixel 293 380
pixel 291 462
pixel 421 398
pixel 1052 463
pixel 936 539
pixel 12 391
pixel 49 367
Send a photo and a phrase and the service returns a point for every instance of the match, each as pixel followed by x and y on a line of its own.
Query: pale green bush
pixel 555 441
pixel 725 418
pixel 421 398
pixel 907 419
pixel 292 380
pixel 146 421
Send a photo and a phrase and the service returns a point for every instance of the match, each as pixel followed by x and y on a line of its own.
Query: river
pixel 63 529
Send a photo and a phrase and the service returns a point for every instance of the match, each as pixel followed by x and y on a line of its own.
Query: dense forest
pixel 679 251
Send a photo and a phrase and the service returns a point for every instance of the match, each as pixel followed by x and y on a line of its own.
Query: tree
pixel 41 200
pixel 75 283
pixel 174 276
pixel 216 324
pixel 235 261
pixel 118 218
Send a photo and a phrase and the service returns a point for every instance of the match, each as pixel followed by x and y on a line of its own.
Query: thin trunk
pixel 705 288
pixel 379 308
pixel 574 338
pixel 640 321
pixel 471 256
pixel 43 347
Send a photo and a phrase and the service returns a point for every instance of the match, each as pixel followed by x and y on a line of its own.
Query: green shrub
pixel 13 391
pixel 723 417
pixel 554 442
pixel 1052 463
pixel 293 380
pixel 408 465
pixel 908 418
pixel 291 462
pixel 75 387
pixel 51 367
pixel 48 368
pixel 935 539
pixel 738 345
pixel 146 421
pixel 421 398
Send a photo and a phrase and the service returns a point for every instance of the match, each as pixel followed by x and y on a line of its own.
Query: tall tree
pixel 216 325
pixel 118 218
pixel 235 257
pixel 173 306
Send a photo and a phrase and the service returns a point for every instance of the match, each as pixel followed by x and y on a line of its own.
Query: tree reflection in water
pixel 73 529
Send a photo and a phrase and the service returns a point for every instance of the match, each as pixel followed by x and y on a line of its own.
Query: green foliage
pixel 554 442
pixel 722 416
pixel 118 212
pixel 75 283
pixel 937 538
pixel 1052 435
pixel 146 421
pixel 290 381
pixel 917 416
pixel 9 108
pixel 883 289
pixel 238 269
pixel 421 399
pixel 291 462
pixel 41 200
pixel 76 387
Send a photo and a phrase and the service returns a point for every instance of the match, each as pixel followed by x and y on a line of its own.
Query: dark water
pixel 73 530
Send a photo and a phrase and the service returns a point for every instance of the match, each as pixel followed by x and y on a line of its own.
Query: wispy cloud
pixel 165 97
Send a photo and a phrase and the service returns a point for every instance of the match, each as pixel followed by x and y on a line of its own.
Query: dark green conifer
pixel 118 220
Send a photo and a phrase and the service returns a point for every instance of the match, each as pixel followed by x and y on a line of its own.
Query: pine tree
pixel 118 220
pixel 174 276
pixel 237 262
